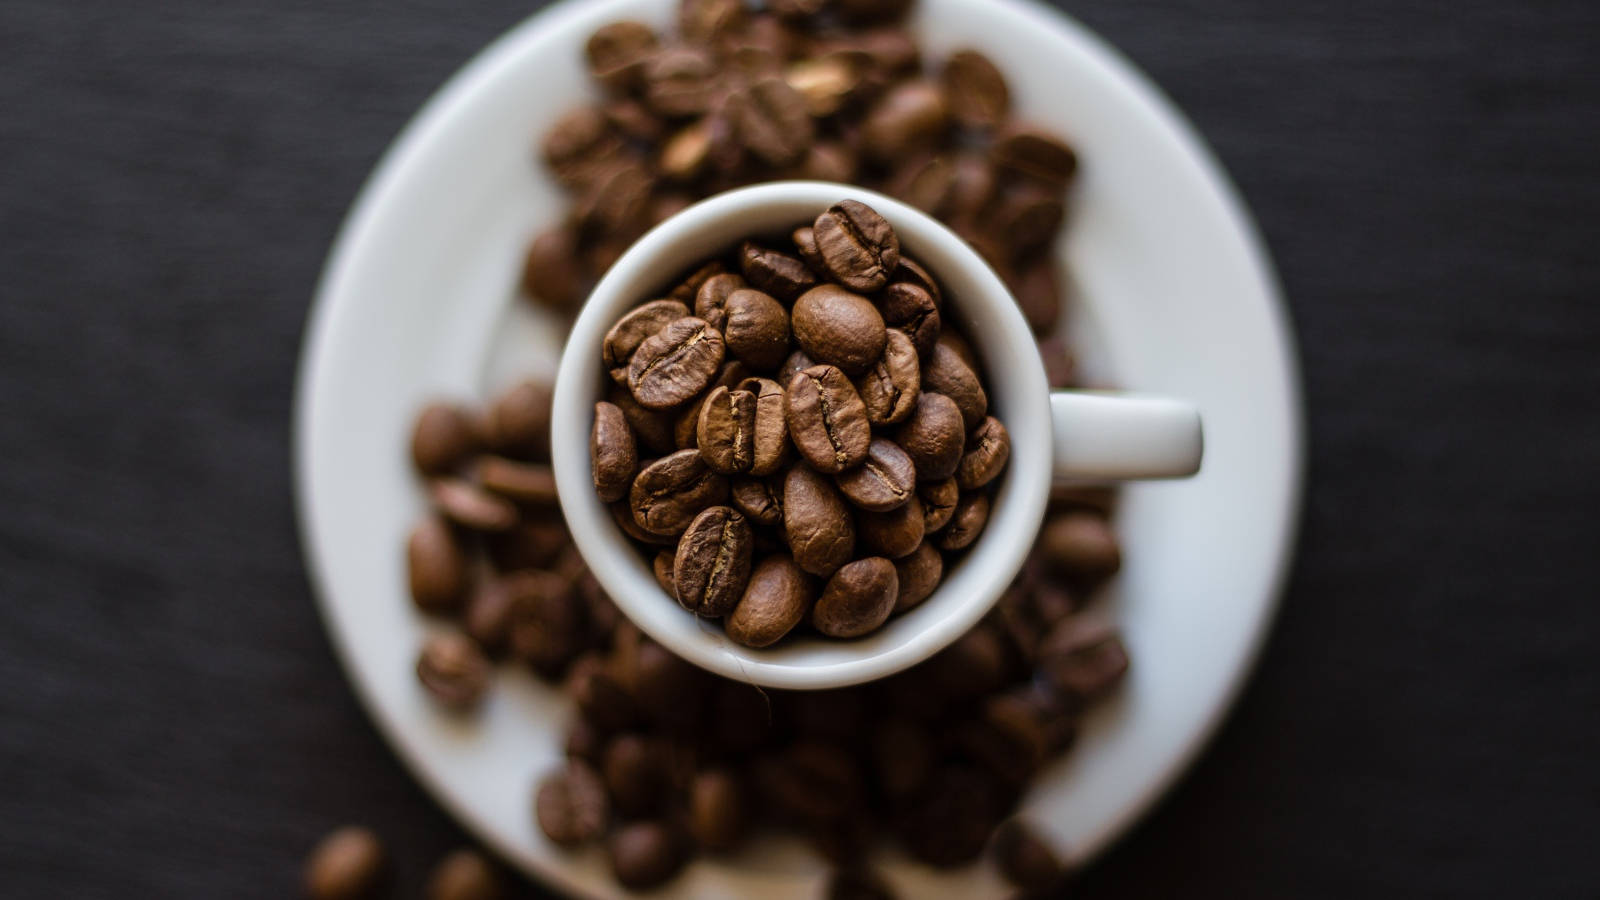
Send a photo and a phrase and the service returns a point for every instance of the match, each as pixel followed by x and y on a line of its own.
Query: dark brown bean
pixel 773 123
pixel 925 182
pixel 1034 154
pixel 911 117
pixel 436 566
pixel 1083 658
pixel 771 442
pixel 679 82
pixel 972 513
pixel 1007 737
pixel 571 805
pixel 578 141
pixel 779 274
pixel 988 449
pixel 618 52
pixel 725 433
pixel 652 428
pixel 776 599
pixel 519 421
pixel 856 882
pixel 805 243
pixel 615 204
pixel 443 437
pixel 973 186
pixel 635 774
pixel 759 499
pixel 885 480
pixel 545 626
pixel 716 810
pixel 645 855
pixel 661 566
pixel 756 329
pixel 919 574
pixel 471 506
pixel 1037 290
pixel 892 534
pixel 631 119
pixel 675 363
pixel 858 246
pixel 622 514
pixel 946 373
pixel 911 310
pixel 550 271
pixel 957 344
pixel 533 484
pixel 840 328
pixel 487 618
pixel 599 694
pixel 817 522
pixel 711 300
pixel 933 436
pixel 793 365
pixel 825 83
pixel 464 875
pixel 348 864
pixel 811 782
pixel 827 420
pixel 938 502
pixel 912 272
pixel 536 542
pixel 857 599
pixel 614 456
pixel 706 22
pixel 690 286
pixel 454 670
pixel 974 90
pixel 713 562
pixel 889 389
pixel 1081 546
pixel 829 161
pixel 951 819
pixel 1028 219
pixel 670 492
pixel 631 330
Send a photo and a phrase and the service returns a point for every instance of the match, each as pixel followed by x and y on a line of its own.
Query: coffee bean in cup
pixel 826 544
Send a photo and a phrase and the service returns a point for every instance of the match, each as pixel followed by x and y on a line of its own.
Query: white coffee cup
pixel 1055 436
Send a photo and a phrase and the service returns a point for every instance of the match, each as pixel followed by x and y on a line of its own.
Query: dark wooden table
pixel 1425 721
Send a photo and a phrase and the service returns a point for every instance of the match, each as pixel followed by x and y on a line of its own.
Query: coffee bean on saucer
pixel 454 670
pixel 436 566
pixel 464 875
pixel 618 53
pixel 840 328
pixel 975 92
pixel 857 599
pixel 1081 546
pixel 716 810
pixel 348 864
pixel 911 117
pixel 644 855
pixel 551 273
pixel 1034 154
pixel 857 245
pixel 444 436
pixel 533 484
pixel 1035 285
pixel 713 562
pixel 675 363
pixel 773 123
pixel 776 598
pixel 1083 658
pixel 679 82
pixel 571 805
pixel 470 506
pixel 1027 218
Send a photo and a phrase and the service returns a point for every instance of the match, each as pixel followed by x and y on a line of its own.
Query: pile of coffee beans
pixel 830 443
pixel 350 863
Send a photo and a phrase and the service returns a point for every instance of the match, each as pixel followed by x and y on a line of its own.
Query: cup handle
pixel 1112 437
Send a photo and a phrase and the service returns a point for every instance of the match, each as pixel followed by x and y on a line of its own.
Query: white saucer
pixel 1173 287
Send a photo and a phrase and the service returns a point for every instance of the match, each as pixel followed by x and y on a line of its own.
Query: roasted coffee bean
pixel 471 506
pixel 614 456
pixel 716 810
pixel 443 437
pixel 487 617
pixel 771 441
pixel 675 363
pixel 946 373
pixel 1083 658
pixel 679 82
pixel 618 52
pixel 713 562
pixel 1081 546
pixel 571 805
pixel 652 428
pixel 811 782
pixel 622 514
pixel 584 741
pixel 706 22
pixel 857 245
pixel 933 436
pixel 912 272
pixel 670 692
pixel 892 534
pixel 635 774
pixel 1006 738
pixel 671 491
pixel 454 670
pixel 951 820
pixel 599 694
pixel 825 83
pixel 988 449
pixel 938 502
pixel 631 330
pixel 602 252
pixel 857 599
pixel 615 203
pixel 464 875
pixel 629 118
pixel 1060 366
pixel 925 182
pixel 533 484
pixel 793 365
pixel 711 300
pixel 885 480
pixel 725 432
pixel 1024 858
pixel 348 864
pixel 829 161
pixel 975 92
pixel 1028 218
pixel 783 276
pixel 911 117
pixel 911 310
pixel 756 329
pixel 690 286
pixel 1034 154
pixel 662 567
pixel 550 271
pixel 956 343
pixel 644 855
pixel 519 421
pixel 816 522
pixel 546 625
pixel 840 328
pixel 889 388
pixel 1037 290
pixel 827 420
pixel 577 142
pixel 919 574
pixel 973 185
pixel 972 513
pixel 686 426
pixel 437 566
pixel 777 597
pixel 773 123
pixel 805 242
pixel 536 542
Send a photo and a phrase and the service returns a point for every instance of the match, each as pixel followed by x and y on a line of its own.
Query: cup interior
pixel 974 297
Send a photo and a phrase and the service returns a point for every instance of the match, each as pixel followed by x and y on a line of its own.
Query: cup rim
pixel 967 592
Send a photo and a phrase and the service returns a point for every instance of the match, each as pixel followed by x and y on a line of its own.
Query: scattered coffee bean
pixel 988 449
pixel 348 864
pixel 571 805
pixel 535 542
pixel 972 513
pixel 827 420
pixel 857 599
pixel 436 566
pixel 1037 289
pixel 1034 154
pixel 679 82
pixel 464 875
pixel 618 52
pixel 533 484
pixel 645 855
pixel 454 670
pixel 817 524
pixel 470 506
pixel 713 562
pixel 716 810
pixel 975 91
pixel 950 821
pixel 443 437
pixel 635 775
pixel 551 273
pixel 545 626
pixel 1081 546
pixel 1083 658
pixel 933 436
pixel 579 140
pixel 773 122
pixel 911 117
pixel 519 421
